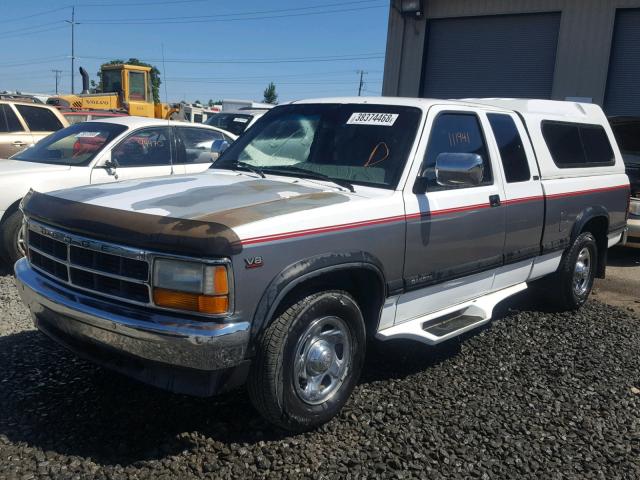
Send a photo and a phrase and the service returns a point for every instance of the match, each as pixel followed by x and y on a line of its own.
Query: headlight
pixel 634 207
pixel 191 286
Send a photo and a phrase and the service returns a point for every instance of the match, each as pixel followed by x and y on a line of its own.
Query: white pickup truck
pixel 329 221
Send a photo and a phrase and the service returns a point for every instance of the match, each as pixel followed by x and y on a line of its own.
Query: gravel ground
pixel 538 395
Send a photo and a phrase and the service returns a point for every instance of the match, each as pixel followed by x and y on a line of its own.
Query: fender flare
pixel 304 270
pixel 10 209
pixel 588 214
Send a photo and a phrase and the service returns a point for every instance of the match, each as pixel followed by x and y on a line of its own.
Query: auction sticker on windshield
pixel 87 134
pixel 380 119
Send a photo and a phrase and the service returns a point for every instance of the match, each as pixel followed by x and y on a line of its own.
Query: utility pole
pixel 362 74
pixel 73 54
pixel 57 73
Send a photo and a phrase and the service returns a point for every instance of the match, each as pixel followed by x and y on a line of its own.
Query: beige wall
pixel 584 42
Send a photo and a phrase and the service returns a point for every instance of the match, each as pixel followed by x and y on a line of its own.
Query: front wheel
pixel 571 285
pixel 13 247
pixel 308 361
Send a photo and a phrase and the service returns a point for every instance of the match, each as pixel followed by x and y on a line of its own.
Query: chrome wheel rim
pixel 322 360
pixel 20 243
pixel 582 272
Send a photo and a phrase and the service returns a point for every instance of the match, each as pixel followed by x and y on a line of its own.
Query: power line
pixel 31 27
pixel 236 14
pixel 140 4
pixel 34 61
pixel 240 82
pixel 99 5
pixel 277 75
pixel 31 32
pixel 22 17
pixel 216 20
pixel 331 58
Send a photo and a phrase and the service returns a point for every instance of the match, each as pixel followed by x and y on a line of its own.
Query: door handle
pixel 494 200
pixel 18 143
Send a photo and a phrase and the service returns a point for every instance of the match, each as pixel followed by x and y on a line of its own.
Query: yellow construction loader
pixel 126 88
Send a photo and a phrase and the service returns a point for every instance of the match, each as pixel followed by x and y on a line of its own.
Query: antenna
pixel 362 74
pixel 166 99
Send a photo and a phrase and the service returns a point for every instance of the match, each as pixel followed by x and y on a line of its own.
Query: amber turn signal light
pixel 192 302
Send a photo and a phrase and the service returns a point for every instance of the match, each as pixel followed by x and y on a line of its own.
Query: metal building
pixel 559 49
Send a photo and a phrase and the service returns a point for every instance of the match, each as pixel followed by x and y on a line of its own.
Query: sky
pixel 213 49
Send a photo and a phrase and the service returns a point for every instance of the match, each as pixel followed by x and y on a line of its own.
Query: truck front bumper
pixel 179 354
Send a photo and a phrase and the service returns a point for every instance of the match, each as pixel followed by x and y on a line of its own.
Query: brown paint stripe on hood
pixel 139 230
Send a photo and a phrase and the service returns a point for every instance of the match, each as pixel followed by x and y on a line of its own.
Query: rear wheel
pixel 570 286
pixel 309 361
pixel 13 247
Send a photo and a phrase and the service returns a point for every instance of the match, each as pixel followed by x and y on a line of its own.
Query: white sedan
pixel 108 150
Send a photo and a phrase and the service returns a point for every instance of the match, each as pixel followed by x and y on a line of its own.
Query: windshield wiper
pixel 315 175
pixel 248 166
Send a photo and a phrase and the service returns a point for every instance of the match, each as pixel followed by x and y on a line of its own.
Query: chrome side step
pixel 440 326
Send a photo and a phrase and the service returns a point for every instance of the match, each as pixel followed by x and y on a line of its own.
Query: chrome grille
pixel 105 269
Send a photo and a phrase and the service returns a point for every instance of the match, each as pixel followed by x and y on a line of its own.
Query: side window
pixel 73 119
pixel 597 147
pixel 514 158
pixel 39 119
pixel 9 120
pixel 455 133
pixel 136 86
pixel 194 144
pixel 144 148
pixel 575 145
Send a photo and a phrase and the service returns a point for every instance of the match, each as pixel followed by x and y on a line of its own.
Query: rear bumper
pixel 631 237
pixel 168 351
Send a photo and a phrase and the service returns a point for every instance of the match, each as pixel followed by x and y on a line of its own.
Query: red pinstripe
pixel 412 216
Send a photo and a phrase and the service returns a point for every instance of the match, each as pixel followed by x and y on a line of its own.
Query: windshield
pixel 235 123
pixel 628 137
pixel 362 144
pixel 111 81
pixel 74 145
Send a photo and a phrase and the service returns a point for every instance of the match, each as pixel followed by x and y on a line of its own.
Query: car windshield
pixel 235 123
pixel 74 145
pixel 359 143
pixel 628 137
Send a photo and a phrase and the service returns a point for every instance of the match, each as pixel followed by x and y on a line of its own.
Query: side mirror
pixel 219 146
pixel 459 169
pixel 110 165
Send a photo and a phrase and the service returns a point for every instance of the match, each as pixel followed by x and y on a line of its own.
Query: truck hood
pixel 190 214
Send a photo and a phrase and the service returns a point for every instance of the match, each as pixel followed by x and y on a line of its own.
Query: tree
pixel 155 75
pixel 270 95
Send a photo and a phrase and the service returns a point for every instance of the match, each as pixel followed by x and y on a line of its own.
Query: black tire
pixel 272 387
pixel 560 287
pixel 10 232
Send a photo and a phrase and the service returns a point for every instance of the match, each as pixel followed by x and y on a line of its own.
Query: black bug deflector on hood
pixel 139 230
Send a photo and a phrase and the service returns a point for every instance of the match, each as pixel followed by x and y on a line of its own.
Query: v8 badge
pixel 253 262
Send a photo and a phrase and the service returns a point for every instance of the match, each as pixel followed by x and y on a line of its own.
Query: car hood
pixel 189 214
pixel 19 167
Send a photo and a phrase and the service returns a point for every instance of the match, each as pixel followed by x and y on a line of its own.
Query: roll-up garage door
pixel 622 96
pixel 492 56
